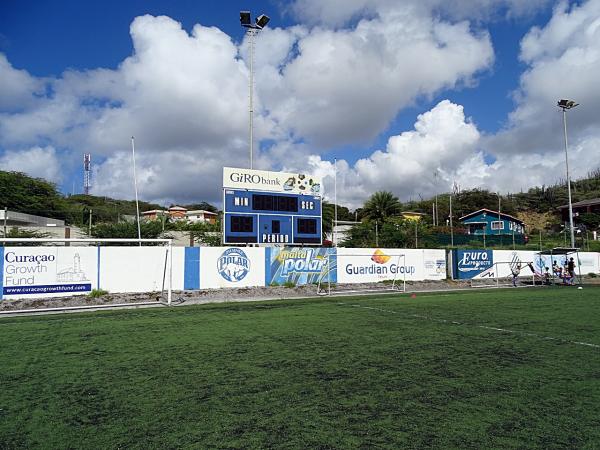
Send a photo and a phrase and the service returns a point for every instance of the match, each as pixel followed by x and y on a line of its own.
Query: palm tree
pixel 381 205
pixel 327 221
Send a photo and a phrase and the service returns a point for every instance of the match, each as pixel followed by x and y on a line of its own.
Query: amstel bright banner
pixel 300 265
pixel 362 265
pixel 232 267
pixel 47 271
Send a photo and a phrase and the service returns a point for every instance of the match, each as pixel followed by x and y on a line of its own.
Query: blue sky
pixel 475 101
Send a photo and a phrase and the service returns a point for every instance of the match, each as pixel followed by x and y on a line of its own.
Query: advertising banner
pixel 364 265
pixel 506 261
pixel 472 263
pixel 232 267
pixel 47 271
pixel 588 262
pixel 300 265
pixel 434 264
pixel 262 180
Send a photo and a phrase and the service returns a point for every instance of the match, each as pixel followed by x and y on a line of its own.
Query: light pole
pixel 137 205
pixel 451 225
pixel 335 216
pixel 564 105
pixel 252 29
pixel 435 208
pixel 499 218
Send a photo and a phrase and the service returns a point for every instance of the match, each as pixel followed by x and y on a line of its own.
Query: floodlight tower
pixel 252 29
pixel 565 105
pixel 87 173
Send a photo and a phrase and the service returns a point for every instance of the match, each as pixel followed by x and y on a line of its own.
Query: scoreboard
pixel 271 208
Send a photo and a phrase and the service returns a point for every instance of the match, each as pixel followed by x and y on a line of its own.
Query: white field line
pixel 484 327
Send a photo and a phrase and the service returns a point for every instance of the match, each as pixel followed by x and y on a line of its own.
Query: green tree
pixel 361 235
pixel 202 205
pixel 128 230
pixel 20 192
pixel 327 218
pixel 381 206
pixel 590 220
pixel 203 233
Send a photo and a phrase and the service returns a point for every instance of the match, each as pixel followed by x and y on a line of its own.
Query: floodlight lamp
pixel 567 104
pixel 262 21
pixel 245 18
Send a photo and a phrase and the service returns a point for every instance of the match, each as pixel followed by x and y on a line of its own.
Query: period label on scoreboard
pixel 262 180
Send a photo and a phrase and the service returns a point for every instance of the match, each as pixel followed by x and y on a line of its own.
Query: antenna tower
pixel 87 173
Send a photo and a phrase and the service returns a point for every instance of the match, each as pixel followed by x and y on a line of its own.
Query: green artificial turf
pixel 368 372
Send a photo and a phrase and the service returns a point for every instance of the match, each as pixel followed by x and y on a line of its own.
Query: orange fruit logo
pixel 379 257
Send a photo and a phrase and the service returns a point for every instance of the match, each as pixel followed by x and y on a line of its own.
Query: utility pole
pixel 499 210
pixel 435 221
pixel 451 226
pixel 335 216
pixel 483 229
pixel 90 224
pixel 416 234
pixel 137 204
pixel 5 214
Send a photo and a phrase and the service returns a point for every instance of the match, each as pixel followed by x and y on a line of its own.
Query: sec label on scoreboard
pixel 263 207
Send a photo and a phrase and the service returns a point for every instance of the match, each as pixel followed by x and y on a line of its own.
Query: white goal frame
pixel 394 287
pixel 497 281
pixel 168 271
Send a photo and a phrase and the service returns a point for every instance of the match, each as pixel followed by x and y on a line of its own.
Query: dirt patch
pixel 227 295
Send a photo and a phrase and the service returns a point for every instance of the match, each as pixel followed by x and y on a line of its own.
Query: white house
pixel 201 215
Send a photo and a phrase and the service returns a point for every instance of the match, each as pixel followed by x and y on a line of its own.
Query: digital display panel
pixel 241 224
pixel 307 226
pixel 262 202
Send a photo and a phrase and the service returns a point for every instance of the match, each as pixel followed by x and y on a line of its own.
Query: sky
pixel 411 97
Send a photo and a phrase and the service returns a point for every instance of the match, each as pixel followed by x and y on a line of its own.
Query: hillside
pixel 537 207
pixel 22 193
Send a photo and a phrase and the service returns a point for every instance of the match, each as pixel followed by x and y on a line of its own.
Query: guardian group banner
pixel 364 265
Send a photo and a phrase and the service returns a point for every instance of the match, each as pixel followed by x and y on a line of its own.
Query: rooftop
pixel 202 211
pixel 591 202
pixel 489 211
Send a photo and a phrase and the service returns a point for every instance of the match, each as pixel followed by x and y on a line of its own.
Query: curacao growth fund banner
pixel 47 271
pixel 363 265
pixel 300 265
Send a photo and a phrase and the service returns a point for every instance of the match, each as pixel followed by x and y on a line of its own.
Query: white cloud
pixel 339 12
pixel 40 162
pixel 563 61
pixel 442 141
pixel 18 89
pixel 345 86
pixel 184 97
